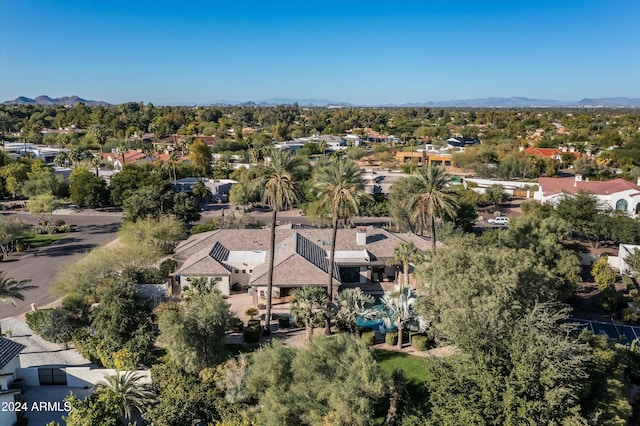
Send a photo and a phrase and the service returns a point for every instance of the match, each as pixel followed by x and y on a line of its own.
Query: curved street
pixel 41 267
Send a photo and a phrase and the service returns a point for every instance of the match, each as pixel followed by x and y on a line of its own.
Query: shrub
pixel 419 343
pixel 251 335
pixel 362 330
pixel 59 222
pixel 237 326
pixel 253 323
pixel 369 337
pixel 411 334
pixel 628 282
pixel 168 267
pixel 629 315
pixel 85 343
pixel 252 312
pixel 391 338
pixel 37 319
pixel 283 322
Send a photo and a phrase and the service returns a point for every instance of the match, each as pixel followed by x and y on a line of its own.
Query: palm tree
pixel 101 133
pixel 399 307
pixel 404 254
pixel 280 192
pixel 308 306
pixel 432 200
pixel 96 162
pixel 10 289
pixel 352 303
pixel 173 157
pixel 127 391
pixel 340 188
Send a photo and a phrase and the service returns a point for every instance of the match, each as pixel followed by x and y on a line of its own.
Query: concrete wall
pixel 222 284
pixel 81 377
pixel 7 417
pixel 77 377
pixel 29 375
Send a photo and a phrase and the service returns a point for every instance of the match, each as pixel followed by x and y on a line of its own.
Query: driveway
pixel 42 266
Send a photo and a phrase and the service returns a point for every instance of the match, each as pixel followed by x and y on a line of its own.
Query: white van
pixel 502 220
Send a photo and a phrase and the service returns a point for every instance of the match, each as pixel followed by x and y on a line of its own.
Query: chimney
pixel 361 236
pixel 578 179
pixel 638 181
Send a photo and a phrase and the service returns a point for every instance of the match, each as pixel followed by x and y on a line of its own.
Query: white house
pixel 615 194
pixel 619 261
pixel 9 362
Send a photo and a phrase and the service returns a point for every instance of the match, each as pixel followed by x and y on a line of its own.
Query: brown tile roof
pixel 297 262
pixel 204 264
pixel 301 254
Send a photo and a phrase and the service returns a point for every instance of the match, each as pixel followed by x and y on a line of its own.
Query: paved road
pixel 42 268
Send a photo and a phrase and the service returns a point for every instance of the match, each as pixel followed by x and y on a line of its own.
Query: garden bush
pixel 391 338
pixel 237 326
pixel 36 320
pixel 362 330
pixel 369 337
pixel 251 334
pixel 283 322
pixel 411 334
pixel 253 323
pixel 419 343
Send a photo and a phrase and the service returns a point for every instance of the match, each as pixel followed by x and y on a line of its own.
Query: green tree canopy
pixel 194 332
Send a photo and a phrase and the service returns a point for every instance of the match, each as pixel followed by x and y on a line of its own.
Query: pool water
pixel 374 323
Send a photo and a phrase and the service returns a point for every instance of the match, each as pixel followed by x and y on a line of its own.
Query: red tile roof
pixel 551 186
pixel 548 152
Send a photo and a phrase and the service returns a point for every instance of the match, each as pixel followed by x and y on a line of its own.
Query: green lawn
pixel 414 367
pixel 36 240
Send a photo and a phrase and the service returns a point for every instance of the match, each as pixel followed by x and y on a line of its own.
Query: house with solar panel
pixel 237 260
pixel 10 390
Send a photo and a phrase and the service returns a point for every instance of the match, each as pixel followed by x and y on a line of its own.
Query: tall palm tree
pixel 340 188
pixel 280 193
pixel 127 390
pixel 432 200
pixel 10 289
pixel 404 254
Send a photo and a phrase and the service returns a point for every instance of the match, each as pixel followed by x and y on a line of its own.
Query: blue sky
pixel 363 52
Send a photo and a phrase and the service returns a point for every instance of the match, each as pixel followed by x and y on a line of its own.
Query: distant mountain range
pixel 513 102
pixel 46 100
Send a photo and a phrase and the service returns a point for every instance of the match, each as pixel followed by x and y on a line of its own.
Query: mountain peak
pixel 46 100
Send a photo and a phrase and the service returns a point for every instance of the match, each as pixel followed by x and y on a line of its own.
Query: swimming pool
pixel 374 323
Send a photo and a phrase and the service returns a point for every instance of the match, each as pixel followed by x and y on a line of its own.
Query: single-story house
pixel 119 159
pixel 615 194
pixel 236 260
pixel 218 188
pixel 9 362
pixel 552 153
pixel 462 142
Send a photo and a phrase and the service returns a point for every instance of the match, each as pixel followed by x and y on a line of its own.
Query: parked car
pixel 502 220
